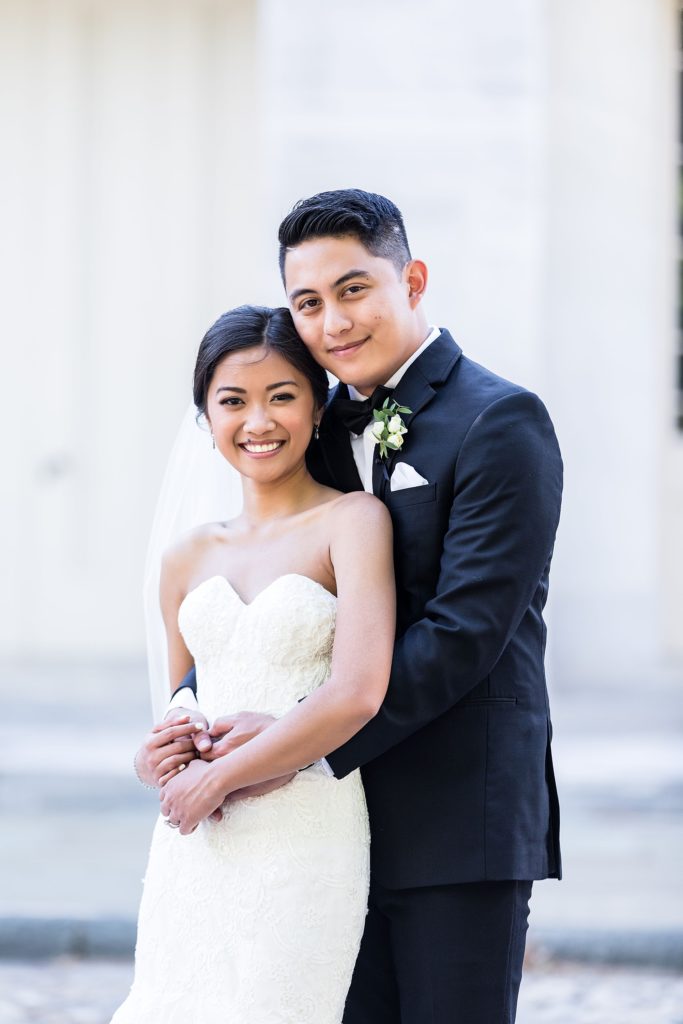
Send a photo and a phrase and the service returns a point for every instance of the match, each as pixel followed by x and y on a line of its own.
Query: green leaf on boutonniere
pixel 388 430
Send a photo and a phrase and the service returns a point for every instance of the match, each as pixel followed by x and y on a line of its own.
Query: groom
pixel 457 765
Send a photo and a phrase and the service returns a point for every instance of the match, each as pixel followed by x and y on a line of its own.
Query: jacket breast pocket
pixel 420 495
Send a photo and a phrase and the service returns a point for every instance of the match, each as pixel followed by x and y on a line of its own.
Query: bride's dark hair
pixel 251 327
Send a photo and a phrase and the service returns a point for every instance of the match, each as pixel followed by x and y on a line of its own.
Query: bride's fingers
pixel 173 732
pixel 160 726
pixel 182 746
pixel 170 775
pixel 174 763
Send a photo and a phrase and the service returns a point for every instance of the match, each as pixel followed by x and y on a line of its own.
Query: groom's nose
pixel 337 321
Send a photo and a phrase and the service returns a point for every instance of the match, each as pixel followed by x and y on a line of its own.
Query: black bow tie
pixel 354 414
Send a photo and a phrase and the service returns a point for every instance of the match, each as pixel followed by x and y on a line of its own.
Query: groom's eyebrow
pixel 298 292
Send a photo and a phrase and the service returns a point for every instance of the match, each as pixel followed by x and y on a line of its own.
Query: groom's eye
pixel 307 305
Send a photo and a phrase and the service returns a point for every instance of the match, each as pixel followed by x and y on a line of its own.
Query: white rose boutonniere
pixel 389 429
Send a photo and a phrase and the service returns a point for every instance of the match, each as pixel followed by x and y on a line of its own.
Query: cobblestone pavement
pixel 69 991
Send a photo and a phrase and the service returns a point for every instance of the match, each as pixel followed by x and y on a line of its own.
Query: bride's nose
pixel 259 421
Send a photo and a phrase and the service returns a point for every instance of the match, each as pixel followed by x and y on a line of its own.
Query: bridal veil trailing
pixel 199 486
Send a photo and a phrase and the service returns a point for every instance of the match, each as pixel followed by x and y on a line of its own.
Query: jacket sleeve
pixel 501 530
pixel 189 680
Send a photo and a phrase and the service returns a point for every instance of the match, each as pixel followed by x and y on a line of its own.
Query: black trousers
pixel 447 954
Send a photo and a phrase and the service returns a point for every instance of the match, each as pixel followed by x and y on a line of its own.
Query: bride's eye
pixel 232 400
pixel 283 396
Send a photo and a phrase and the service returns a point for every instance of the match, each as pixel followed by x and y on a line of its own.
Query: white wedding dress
pixel 256 919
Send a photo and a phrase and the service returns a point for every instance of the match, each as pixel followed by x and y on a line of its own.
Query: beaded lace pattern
pixel 256 919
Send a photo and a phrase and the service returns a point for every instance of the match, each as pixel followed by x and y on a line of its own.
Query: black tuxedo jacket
pixel 457 765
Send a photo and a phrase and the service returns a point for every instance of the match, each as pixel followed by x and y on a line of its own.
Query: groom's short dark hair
pixel 374 220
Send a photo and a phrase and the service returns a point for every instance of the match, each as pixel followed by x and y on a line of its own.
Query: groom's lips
pixel 349 348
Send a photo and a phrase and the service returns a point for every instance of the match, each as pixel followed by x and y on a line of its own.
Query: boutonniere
pixel 389 429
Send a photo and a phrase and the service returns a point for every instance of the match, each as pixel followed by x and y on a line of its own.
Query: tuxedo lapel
pixel 417 385
pixel 415 390
pixel 335 445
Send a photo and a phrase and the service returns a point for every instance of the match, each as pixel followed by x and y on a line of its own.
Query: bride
pixel 253 908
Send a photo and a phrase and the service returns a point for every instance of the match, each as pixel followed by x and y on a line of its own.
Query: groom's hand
pixel 231 731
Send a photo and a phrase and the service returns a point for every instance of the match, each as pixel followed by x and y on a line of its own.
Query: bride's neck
pixel 278 499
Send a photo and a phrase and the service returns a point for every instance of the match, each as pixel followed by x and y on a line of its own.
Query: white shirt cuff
pixel 185 698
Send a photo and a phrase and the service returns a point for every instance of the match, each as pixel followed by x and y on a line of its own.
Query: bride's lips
pixel 261 449
pixel 349 349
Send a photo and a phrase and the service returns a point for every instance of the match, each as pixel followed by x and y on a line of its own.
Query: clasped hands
pixel 177 756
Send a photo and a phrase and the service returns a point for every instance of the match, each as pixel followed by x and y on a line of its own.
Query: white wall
pixel 442 108
pixel 610 307
pixel 153 149
pixel 132 162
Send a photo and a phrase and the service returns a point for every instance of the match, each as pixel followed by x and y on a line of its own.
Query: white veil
pixel 199 486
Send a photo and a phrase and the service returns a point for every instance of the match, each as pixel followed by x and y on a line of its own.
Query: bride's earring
pixel 213 441
pixel 316 432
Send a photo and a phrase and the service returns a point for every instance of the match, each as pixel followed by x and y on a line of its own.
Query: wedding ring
pixel 172 824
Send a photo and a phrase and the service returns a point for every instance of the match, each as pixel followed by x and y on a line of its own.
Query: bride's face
pixel 262 413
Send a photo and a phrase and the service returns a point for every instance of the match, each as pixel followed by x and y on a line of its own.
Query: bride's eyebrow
pixel 269 387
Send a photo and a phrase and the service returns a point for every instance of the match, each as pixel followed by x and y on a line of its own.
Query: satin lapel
pixel 335 444
pixel 415 390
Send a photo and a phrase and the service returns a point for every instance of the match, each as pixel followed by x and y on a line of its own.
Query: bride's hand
pixel 189 798
pixel 166 751
pixel 231 731
pixel 202 740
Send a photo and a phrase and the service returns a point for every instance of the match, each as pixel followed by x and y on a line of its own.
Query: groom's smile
pixel 358 314
pixel 347 349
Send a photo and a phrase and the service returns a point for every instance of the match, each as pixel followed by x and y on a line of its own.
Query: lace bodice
pixel 265 655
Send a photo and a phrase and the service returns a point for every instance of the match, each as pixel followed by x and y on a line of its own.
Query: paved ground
pixel 87 992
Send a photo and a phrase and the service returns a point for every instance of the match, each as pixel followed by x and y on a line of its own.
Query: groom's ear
pixel 415 274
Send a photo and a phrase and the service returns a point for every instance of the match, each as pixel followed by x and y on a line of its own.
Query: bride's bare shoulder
pixel 358 508
pixel 183 553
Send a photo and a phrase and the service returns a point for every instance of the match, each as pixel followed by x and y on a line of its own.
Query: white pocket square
pixel 405 476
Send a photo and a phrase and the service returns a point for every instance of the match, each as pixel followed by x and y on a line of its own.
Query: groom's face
pixel 357 314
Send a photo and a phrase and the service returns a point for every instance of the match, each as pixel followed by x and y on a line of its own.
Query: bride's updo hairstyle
pixel 254 327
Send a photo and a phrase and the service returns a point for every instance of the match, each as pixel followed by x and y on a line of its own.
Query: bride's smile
pixel 267 448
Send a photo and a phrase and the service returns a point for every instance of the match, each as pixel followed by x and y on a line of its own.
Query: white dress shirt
pixel 363 445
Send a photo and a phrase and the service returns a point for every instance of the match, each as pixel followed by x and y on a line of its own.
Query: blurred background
pixel 150 150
